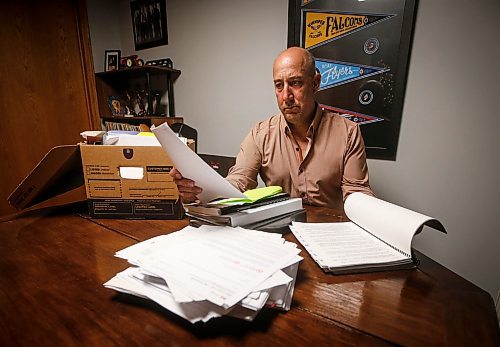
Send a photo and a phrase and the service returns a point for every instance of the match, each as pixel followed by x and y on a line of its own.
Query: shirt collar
pixel 316 121
pixel 312 128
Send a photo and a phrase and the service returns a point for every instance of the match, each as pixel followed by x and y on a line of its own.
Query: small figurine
pixel 131 61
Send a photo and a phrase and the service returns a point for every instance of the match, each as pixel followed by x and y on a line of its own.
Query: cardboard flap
pixel 70 197
pixel 59 171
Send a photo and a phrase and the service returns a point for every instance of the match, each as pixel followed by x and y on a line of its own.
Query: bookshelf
pixel 133 123
pixel 139 90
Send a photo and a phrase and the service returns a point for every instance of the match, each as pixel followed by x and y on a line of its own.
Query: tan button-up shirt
pixel 333 165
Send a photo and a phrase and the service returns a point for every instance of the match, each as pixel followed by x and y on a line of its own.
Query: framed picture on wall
pixel 362 50
pixel 111 60
pixel 149 21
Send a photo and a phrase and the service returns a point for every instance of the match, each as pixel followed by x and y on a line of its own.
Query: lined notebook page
pixel 343 244
pixel 394 224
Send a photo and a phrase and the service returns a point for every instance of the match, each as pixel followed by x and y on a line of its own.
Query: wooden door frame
pixel 87 63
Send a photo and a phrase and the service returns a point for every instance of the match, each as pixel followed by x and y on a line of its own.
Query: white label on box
pixel 132 173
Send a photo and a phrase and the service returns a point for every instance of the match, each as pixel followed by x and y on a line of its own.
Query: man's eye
pixel 278 86
pixel 295 83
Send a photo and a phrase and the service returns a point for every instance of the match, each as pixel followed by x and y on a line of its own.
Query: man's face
pixel 294 89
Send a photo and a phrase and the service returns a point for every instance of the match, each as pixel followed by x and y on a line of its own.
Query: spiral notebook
pixel 378 237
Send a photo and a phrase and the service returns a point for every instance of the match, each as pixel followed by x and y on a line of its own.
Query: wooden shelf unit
pixel 148 78
pixel 149 120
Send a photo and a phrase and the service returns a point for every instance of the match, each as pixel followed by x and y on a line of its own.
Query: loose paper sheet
pixel 394 224
pixel 193 167
pixel 206 272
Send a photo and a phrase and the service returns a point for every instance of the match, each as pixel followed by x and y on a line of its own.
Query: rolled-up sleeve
pixel 355 175
pixel 243 175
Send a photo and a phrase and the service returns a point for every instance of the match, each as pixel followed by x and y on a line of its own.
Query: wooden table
pixel 51 294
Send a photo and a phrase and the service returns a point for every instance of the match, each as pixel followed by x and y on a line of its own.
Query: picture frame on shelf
pixel 139 103
pixel 117 106
pixel 112 60
pixel 149 22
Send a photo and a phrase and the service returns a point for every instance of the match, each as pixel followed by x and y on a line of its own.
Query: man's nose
pixel 287 92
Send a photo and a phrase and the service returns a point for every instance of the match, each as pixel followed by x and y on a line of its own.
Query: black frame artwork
pixel 112 60
pixel 149 21
pixel 362 49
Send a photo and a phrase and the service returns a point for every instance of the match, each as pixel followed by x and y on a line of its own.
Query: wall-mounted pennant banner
pixel 319 28
pixel 362 51
pixel 356 117
pixel 334 73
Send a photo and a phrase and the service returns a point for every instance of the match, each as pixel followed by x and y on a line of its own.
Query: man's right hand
pixel 188 190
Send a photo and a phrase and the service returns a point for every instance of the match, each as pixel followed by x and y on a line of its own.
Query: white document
pixel 193 167
pixel 206 272
pixel 396 225
pixel 136 140
pixel 224 270
pixel 281 296
pixel 127 282
pixel 342 244
pixel 379 236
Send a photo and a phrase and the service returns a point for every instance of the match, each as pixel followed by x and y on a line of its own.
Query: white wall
pixel 105 29
pixel 225 51
pixel 447 164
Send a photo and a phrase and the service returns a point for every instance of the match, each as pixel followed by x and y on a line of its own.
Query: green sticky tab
pixel 253 195
pixel 263 192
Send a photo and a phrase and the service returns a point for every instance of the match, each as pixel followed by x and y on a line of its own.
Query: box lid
pixel 59 172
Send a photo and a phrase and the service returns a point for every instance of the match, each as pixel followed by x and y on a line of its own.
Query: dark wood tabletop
pixel 51 294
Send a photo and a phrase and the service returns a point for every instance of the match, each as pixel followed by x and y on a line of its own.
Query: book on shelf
pixel 251 215
pixel 121 126
pixel 378 237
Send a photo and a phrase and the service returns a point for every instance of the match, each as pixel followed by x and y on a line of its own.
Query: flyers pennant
pixel 319 28
pixel 334 73
pixel 356 117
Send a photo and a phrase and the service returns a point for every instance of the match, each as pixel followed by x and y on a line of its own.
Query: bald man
pixel 312 153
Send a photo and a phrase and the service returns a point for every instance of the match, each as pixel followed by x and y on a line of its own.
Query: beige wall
pixel 448 163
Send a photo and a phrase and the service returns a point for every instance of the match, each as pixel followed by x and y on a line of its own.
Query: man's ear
pixel 316 81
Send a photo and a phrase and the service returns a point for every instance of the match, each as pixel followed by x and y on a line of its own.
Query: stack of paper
pixel 207 272
pixel 218 209
pixel 245 217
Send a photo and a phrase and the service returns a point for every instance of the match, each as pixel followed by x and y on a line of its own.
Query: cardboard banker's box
pixel 129 182
pixel 117 182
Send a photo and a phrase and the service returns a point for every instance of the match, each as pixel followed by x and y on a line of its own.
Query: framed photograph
pixel 111 60
pixel 362 50
pixel 117 106
pixel 149 20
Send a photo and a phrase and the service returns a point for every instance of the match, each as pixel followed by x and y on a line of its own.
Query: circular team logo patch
pixel 371 46
pixel 365 97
